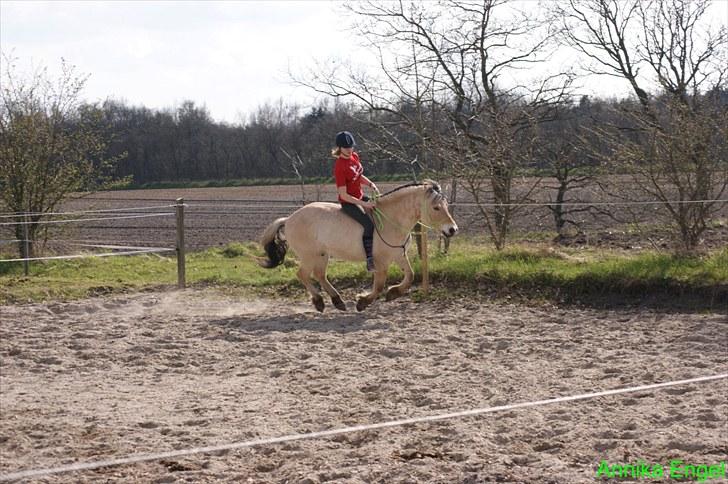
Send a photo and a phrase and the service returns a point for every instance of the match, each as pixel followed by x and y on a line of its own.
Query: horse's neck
pixel 401 210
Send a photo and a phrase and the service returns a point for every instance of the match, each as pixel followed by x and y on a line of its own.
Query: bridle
pixel 438 197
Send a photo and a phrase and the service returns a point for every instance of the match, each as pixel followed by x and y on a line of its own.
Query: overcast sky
pixel 230 56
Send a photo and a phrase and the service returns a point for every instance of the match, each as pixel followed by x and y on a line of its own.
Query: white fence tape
pixel 44 222
pixel 76 212
pixel 587 204
pixel 85 256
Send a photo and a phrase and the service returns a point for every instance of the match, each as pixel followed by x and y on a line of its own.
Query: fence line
pixel 45 222
pixel 84 256
pixel 261 204
pixel 106 242
pixel 84 243
pixel 246 200
pixel 252 200
pixel 193 203
pixel 585 204
pixel 247 212
pixel 125 250
pixel 75 212
pixel 121 247
pixel 133 459
pixel 255 207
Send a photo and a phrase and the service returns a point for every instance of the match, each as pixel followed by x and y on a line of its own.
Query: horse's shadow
pixel 305 322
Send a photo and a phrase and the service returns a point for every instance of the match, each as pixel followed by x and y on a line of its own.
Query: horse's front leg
pixel 401 289
pixel 380 277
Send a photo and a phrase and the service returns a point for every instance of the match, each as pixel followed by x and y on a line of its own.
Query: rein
pixel 403 246
pixel 379 218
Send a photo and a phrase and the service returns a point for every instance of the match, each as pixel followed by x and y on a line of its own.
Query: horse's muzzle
pixel 449 230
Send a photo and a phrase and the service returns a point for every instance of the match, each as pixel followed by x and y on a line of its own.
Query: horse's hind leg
pixel 319 272
pixel 304 275
pixel 401 289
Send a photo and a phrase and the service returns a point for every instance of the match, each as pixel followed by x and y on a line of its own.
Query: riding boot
pixel 368 246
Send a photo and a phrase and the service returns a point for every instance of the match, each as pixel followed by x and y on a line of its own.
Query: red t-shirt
pixel 348 172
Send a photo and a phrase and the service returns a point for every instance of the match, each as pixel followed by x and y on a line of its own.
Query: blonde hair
pixel 336 152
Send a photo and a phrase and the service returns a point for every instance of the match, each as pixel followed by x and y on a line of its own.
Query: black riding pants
pixel 358 214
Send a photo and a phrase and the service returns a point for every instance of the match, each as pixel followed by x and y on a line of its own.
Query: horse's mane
pixel 435 186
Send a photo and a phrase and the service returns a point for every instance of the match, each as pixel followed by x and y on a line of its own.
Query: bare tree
pixel 672 146
pixel 50 144
pixel 603 31
pixel 564 147
pixel 445 78
pixel 680 161
pixel 296 165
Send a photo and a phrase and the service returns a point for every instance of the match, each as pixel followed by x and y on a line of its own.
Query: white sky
pixel 230 56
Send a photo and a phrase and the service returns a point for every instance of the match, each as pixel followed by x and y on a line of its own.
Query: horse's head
pixel 436 210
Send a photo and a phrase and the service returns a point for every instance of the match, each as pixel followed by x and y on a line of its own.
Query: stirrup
pixel 370 264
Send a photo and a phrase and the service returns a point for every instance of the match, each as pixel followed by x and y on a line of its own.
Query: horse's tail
pixel 274 244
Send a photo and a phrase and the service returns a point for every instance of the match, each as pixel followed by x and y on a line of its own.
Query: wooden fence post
pixel 180 208
pixel 417 235
pixel 424 261
pixel 26 244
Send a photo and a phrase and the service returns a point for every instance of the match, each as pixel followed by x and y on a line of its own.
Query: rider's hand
pixel 374 187
pixel 368 205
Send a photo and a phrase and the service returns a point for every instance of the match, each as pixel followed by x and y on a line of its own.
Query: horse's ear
pixel 433 186
pixel 434 193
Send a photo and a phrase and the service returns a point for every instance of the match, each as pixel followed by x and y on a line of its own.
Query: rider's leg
pixel 368 238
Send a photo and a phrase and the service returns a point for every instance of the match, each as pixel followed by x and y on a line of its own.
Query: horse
pixel 320 230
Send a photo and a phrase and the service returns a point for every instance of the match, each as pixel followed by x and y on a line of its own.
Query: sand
pixel 150 372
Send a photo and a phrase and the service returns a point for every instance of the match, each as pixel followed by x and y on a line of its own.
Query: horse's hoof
pixel 318 302
pixel 338 303
pixel 361 304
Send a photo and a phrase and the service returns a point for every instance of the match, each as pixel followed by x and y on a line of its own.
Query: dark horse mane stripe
pixel 435 186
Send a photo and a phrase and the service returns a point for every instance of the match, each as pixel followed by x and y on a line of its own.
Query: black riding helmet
pixel 344 139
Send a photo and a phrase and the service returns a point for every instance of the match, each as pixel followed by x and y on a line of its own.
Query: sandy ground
pixel 150 372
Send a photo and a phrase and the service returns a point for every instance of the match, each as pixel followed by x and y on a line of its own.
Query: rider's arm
pixel 370 183
pixel 348 198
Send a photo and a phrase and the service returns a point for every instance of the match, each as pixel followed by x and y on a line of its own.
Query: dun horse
pixel 320 231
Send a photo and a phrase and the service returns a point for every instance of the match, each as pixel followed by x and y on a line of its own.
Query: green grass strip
pixel 468 269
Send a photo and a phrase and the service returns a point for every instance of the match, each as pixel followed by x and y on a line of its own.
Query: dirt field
pixel 151 372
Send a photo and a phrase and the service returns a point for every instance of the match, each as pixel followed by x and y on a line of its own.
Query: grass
pixel 582 275
pixel 525 272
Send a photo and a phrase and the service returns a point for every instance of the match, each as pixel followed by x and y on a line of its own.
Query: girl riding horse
pixel 349 177
pixel 320 231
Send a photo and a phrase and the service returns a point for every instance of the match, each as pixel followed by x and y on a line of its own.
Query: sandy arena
pixel 151 372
